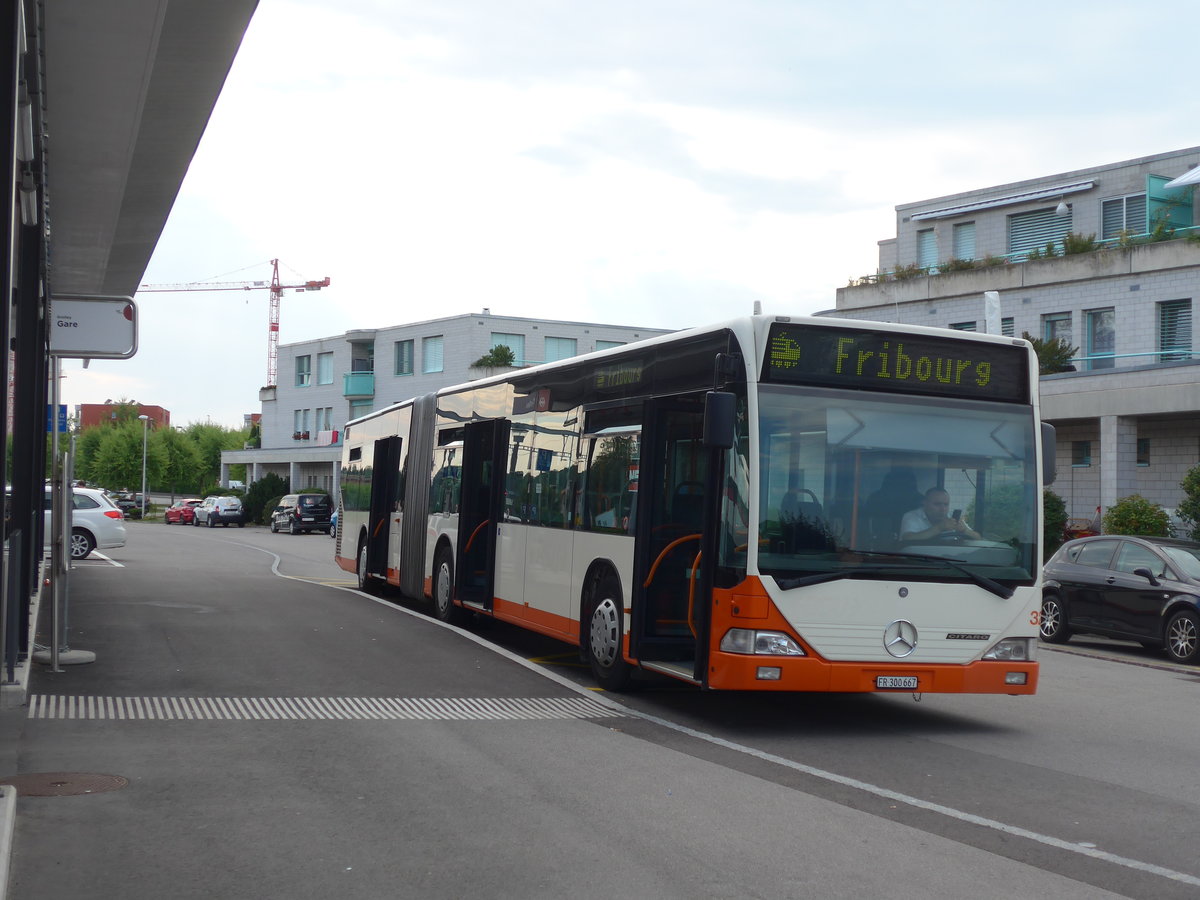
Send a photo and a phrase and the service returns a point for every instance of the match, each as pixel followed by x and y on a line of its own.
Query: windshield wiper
pixel 982 581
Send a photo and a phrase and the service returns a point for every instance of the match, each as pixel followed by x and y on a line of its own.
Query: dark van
pixel 302 513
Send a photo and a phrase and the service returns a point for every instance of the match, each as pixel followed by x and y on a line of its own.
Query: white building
pixel 1128 417
pixel 326 382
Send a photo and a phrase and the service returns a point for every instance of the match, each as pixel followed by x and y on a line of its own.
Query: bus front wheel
pixel 605 636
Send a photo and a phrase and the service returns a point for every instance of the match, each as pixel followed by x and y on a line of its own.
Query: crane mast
pixel 275 286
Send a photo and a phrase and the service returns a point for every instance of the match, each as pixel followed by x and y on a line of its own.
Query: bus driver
pixel 932 519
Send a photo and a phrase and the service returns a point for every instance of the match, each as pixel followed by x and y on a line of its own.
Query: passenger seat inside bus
pixel 802 522
pixel 687 504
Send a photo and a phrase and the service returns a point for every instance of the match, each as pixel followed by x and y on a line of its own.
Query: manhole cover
pixel 63 784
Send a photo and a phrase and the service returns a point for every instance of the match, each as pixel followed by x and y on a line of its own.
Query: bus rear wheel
pixel 605 636
pixel 366 583
pixel 443 589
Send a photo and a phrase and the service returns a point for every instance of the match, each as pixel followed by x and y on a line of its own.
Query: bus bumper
pixel 740 672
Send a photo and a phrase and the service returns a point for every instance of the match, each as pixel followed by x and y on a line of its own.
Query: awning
pixel 1192 177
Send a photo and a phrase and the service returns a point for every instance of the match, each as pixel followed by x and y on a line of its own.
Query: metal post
pixel 145 427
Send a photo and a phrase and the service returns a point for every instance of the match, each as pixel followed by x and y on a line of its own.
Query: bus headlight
pixel 760 643
pixel 1013 650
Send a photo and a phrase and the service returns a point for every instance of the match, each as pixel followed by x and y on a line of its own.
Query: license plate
pixel 908 682
pixel 308 518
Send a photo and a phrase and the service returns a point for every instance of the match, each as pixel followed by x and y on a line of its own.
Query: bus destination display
pixel 890 361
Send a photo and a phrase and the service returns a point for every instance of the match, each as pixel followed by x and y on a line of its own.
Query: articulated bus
pixel 731 506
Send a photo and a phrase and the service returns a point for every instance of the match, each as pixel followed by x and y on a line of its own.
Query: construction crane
pixel 276 289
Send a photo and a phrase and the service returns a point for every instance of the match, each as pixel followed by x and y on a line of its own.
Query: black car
pixel 302 513
pixel 1143 589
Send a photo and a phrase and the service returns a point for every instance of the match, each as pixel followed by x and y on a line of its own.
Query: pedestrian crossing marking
pixel 55 706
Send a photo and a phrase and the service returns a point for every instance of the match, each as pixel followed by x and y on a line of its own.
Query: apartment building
pixel 1107 258
pixel 326 382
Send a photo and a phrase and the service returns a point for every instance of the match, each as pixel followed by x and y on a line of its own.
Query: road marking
pixel 57 706
pixel 98 556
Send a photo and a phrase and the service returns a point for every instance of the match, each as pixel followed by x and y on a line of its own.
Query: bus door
pixel 481 506
pixel 385 503
pixel 669 618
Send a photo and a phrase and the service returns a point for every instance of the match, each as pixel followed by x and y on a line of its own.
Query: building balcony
pixel 1017 272
pixel 358 385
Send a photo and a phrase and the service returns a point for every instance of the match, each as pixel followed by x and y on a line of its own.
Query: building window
pixel 1123 214
pixel 559 348
pixel 927 255
pixel 431 354
pixel 1175 330
pixel 324 368
pixel 303 371
pixel 963 326
pixel 1081 453
pixel 1056 326
pixel 325 418
pixel 1006 326
pixel 362 356
pixel 514 342
pixel 1035 230
pixel 608 345
pixel 360 408
pixel 404 357
pixel 1101 338
pixel 964 241
pixel 1143 451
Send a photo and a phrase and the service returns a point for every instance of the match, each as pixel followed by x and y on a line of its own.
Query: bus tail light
pixel 761 643
pixel 1013 650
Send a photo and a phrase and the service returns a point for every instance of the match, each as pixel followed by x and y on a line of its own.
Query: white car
pixel 96 523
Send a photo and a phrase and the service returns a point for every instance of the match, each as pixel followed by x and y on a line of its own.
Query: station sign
pixel 92 327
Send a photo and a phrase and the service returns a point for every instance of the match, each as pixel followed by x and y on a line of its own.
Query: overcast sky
pixel 659 163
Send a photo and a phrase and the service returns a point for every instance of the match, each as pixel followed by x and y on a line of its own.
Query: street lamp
pixel 145 426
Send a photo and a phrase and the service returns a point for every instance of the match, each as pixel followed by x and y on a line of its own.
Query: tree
pixel 1137 515
pixel 118 461
pixel 1053 355
pixel 499 356
pixel 181 470
pixel 87 445
pixel 210 440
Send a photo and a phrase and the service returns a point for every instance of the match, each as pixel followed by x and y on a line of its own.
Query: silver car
pixel 216 511
pixel 96 523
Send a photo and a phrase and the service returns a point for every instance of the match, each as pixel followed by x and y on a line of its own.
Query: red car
pixel 181 511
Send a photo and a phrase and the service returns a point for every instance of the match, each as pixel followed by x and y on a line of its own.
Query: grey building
pixel 1107 258
pixel 326 382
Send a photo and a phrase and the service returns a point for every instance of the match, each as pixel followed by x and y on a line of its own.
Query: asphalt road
pixel 372 752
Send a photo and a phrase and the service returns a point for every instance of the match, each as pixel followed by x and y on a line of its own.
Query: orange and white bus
pixel 732 506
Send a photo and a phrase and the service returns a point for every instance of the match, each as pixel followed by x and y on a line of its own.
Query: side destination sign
pixel 891 361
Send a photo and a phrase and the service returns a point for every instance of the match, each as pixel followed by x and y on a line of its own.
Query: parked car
pixel 132 504
pixel 302 513
pixel 182 512
pixel 1143 589
pixel 333 520
pixel 96 523
pixel 216 511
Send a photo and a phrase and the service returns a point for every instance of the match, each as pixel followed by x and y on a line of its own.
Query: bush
pixel 1054 522
pixel 1189 507
pixel 1137 515
pixel 257 504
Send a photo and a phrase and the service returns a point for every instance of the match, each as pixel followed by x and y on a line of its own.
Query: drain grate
pixel 63 784
pixel 43 706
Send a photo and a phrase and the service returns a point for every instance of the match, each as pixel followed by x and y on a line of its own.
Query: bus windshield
pixel 874 486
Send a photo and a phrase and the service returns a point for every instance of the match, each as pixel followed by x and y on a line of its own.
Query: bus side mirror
pixel 720 419
pixel 1049 471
